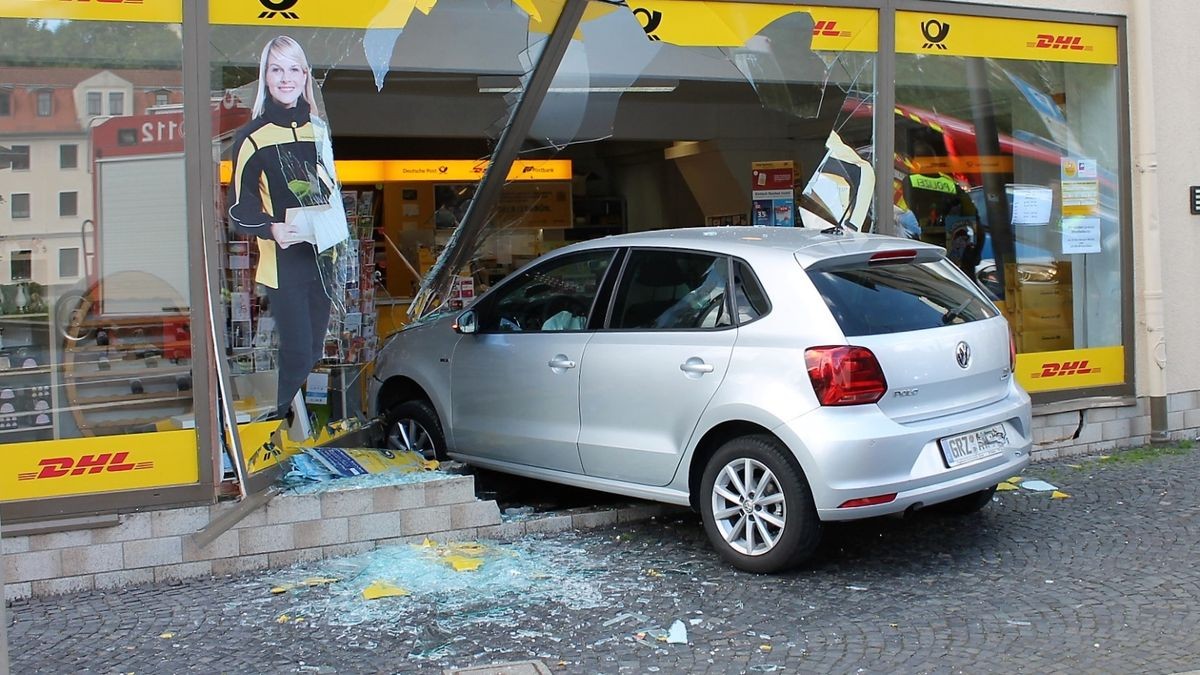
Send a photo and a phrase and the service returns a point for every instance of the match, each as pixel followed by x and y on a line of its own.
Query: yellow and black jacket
pixel 274 149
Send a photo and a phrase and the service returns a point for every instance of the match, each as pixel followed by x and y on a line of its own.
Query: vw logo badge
pixel 962 354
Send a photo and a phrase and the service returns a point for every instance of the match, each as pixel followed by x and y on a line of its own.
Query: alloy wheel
pixel 748 506
pixel 409 434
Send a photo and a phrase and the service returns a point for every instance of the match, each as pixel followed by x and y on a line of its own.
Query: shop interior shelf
pixel 130 400
pixel 26 429
pixel 124 374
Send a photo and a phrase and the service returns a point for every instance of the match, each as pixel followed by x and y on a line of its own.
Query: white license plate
pixel 974 445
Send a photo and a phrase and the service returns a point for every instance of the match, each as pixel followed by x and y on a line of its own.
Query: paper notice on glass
pixel 1080 197
pixel 1080 235
pixel 239 306
pixel 1031 204
pixel 323 226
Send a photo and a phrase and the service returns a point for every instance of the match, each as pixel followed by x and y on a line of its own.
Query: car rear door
pixel 515 383
pixel 648 377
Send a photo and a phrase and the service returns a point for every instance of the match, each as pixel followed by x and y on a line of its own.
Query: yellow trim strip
pixel 148 11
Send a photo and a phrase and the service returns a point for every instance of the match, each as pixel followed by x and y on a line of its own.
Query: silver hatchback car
pixel 772 379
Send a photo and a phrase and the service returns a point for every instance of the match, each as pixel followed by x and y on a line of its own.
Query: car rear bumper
pixel 858 452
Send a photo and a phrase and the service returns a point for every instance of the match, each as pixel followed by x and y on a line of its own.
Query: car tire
pixel 784 521
pixel 967 504
pixel 414 425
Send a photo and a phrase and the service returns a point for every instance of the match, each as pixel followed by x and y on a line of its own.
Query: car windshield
pixel 895 298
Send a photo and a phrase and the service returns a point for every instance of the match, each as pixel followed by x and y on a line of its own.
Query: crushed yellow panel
pixel 382 589
pixel 320 581
pixel 1016 479
pixel 1006 487
pixel 282 588
pixel 1059 495
pixel 167 636
pixel 283 618
pixel 462 563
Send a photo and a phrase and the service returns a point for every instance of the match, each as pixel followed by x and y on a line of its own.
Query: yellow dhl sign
pixel 724 24
pixel 959 35
pixel 80 466
pixel 156 11
pixel 417 170
pixel 1071 369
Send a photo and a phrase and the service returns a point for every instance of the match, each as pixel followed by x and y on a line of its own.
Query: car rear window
pixel 895 298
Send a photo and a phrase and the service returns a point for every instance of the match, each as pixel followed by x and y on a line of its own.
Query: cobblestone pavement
pixel 1104 581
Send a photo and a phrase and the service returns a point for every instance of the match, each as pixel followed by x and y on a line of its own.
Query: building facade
pixel 1043 144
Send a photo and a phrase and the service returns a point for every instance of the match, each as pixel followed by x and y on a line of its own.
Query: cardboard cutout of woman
pixel 282 171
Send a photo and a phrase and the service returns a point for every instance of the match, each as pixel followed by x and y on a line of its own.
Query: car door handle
pixel 695 365
pixel 561 361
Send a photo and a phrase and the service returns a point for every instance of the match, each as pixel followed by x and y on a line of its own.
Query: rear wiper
pixel 955 313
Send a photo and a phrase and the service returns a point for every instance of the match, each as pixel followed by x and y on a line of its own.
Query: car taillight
pixel 845 375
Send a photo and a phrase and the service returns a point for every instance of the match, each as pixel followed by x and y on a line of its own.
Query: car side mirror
pixel 466 323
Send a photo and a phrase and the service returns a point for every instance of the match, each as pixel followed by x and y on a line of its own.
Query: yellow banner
pixel 157 11
pixel 724 24
pixel 958 35
pixel 99 464
pixel 285 14
pixel 1071 369
pixel 434 170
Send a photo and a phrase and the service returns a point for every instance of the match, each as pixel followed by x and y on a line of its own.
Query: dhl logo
pixel 1069 42
pixel 1066 368
pixel 829 29
pixel 58 467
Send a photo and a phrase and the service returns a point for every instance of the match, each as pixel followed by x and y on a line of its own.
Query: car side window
pixel 556 295
pixel 748 294
pixel 673 290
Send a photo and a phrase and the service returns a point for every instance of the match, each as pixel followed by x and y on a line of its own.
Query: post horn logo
pixel 935 33
pixel 280 7
pixel 653 20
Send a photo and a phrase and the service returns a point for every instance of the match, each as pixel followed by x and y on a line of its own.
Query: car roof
pixel 806 244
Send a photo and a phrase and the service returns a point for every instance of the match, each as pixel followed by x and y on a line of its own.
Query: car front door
pixel 650 374
pixel 515 382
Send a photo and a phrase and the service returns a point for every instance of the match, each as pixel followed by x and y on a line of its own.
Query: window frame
pixel 488 301
pixel 28 153
pixel 758 282
pixel 96 97
pixel 61 251
pixel 12 205
pixel 46 95
pixel 75 210
pixel 5 101
pixel 62 148
pixel 119 98
pixel 23 256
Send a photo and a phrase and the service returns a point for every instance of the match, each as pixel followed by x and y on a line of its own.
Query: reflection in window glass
pixel 1014 166
pixel 403 180
pixel 110 339
pixel 696 119
pixel 557 295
